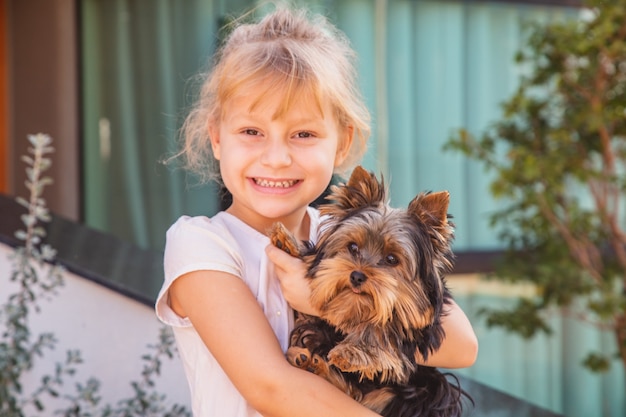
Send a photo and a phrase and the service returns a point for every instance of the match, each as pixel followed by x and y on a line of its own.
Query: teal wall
pixel 547 369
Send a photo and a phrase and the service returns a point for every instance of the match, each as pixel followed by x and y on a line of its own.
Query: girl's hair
pixel 288 51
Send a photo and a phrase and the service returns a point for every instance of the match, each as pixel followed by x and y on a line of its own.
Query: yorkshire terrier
pixel 377 280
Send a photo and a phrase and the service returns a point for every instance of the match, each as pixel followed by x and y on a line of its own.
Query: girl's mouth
pixel 275 184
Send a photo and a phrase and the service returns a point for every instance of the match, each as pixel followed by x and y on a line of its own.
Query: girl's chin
pixel 277 213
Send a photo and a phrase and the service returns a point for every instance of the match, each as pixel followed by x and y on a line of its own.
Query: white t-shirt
pixel 222 243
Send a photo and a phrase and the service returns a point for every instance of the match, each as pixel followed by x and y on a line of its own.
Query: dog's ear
pixel 431 208
pixel 361 190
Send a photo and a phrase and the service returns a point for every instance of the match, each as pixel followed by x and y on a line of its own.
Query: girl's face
pixel 275 167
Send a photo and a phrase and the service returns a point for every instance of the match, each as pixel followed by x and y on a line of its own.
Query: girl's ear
pixel 346 138
pixel 214 136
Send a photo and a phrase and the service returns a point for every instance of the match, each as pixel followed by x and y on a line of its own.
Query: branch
pixel 605 192
pixel 581 316
pixel 582 250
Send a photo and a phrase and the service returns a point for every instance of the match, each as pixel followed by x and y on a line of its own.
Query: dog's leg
pixel 302 358
pixel 284 239
pixel 369 359
pixel 378 399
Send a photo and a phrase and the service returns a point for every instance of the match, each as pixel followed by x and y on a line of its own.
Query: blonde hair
pixel 287 51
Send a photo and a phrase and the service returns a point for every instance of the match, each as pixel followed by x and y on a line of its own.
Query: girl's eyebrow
pixel 240 117
pixel 306 120
pixel 251 117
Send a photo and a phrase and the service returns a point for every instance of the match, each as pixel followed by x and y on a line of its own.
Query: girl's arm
pixel 232 325
pixel 458 350
pixel 460 346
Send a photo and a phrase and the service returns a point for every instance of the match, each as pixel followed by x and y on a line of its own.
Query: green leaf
pixel 597 362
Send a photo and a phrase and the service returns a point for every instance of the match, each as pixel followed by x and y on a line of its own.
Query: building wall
pixel 4 85
pixel 42 75
pixel 111 331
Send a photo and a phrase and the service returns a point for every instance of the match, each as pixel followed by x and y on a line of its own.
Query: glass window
pixel 138 58
pixel 429 68
pixel 426 67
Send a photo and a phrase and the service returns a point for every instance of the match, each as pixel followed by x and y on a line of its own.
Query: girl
pixel 276 117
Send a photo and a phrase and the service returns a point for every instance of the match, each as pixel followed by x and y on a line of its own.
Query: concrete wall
pixel 110 330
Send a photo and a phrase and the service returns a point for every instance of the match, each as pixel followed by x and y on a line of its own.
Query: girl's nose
pixel 276 153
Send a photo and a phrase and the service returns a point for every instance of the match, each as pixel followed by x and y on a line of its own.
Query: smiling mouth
pixel 275 184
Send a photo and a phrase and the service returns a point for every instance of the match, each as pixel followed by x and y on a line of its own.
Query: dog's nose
pixel 357 278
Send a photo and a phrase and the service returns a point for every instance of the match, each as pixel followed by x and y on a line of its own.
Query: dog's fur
pixel 377 280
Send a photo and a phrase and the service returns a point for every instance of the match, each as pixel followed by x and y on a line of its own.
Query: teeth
pixel 274 184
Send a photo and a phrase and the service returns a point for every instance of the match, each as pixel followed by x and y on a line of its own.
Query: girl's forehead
pixel 279 100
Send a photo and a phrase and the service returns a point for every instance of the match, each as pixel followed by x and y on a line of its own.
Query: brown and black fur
pixel 377 279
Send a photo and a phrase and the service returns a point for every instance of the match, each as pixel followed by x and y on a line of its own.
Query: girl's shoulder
pixel 223 227
pixel 199 231
pixel 220 223
pixel 199 242
pixel 226 227
pixel 201 222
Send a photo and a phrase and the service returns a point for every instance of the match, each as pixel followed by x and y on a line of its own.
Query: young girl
pixel 276 117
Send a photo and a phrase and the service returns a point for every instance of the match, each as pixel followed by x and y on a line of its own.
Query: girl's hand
pixel 291 273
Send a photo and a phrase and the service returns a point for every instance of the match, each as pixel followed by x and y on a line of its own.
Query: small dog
pixel 377 279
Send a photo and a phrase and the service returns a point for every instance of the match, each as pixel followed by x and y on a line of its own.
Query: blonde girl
pixel 278 114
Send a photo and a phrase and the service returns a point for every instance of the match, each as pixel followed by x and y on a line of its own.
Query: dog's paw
pixel 302 358
pixel 298 356
pixel 350 358
pixel 370 364
pixel 284 239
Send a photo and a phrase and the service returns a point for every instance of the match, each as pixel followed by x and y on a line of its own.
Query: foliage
pixel 36 276
pixel 558 158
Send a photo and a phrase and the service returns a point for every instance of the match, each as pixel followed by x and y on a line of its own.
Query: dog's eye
pixel 353 248
pixel 391 259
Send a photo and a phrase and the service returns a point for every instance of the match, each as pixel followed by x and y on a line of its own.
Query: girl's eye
pixel 251 132
pixel 391 259
pixel 304 135
pixel 353 248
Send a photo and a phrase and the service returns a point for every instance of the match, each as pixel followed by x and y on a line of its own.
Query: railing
pixel 489 402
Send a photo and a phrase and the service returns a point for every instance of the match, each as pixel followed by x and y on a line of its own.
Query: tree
pixel 558 159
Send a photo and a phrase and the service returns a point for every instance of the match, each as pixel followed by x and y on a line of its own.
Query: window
pixel 427 68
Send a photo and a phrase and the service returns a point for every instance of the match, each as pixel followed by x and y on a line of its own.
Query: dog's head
pixel 375 264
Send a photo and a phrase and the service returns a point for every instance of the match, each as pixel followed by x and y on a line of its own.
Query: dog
pixel 377 279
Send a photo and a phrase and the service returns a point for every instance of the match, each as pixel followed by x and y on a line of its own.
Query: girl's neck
pixel 297 223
